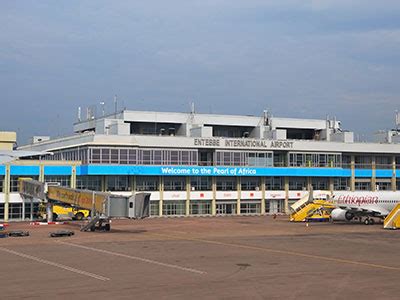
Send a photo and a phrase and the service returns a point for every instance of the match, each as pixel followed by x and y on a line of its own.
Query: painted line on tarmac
pixel 54 264
pixel 154 262
pixel 291 253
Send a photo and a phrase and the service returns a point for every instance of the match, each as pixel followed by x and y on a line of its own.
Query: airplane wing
pixel 8 156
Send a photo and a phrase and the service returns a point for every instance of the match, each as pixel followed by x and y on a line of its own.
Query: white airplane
pixel 352 205
pixel 7 156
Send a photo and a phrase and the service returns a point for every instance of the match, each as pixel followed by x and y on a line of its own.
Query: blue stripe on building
pixel 194 171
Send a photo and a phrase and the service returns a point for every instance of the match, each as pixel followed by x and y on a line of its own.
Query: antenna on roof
pixel 192 110
pixel 79 114
pixel 115 104
pixel 397 120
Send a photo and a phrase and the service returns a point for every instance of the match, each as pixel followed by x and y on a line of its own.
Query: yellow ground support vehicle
pixel 64 211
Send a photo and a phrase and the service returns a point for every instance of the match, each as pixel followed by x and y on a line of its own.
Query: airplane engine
pixel 339 214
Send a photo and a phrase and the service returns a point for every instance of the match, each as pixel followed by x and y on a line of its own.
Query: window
pixel 118 183
pixel 174 183
pixel 105 156
pixel 341 184
pixel 115 156
pixel 320 160
pixel 62 180
pixel 123 156
pixel 226 183
pixel 95 156
pixel 363 162
pixel 274 183
pixel 28 210
pixel 383 184
pixel 154 208
pixel 250 183
pixel 320 183
pixel 247 208
pixel 174 208
pixel 147 183
pixel 240 158
pixel 383 162
pixel 90 182
pixel 1 184
pixel 202 207
pixel 363 185
pixel 15 211
pixel 297 183
pixel 200 183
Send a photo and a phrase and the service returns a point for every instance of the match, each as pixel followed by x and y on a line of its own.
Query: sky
pixel 295 58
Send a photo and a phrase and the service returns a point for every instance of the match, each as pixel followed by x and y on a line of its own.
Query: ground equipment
pixel 392 220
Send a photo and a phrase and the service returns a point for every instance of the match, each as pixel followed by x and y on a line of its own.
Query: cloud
pixel 312 57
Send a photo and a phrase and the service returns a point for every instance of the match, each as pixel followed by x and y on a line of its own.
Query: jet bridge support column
pixel 49 211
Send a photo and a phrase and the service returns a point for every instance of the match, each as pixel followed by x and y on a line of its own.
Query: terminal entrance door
pixel 226 208
pixel 274 206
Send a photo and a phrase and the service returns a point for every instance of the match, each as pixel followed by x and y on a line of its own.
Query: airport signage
pixel 208 171
pixel 242 143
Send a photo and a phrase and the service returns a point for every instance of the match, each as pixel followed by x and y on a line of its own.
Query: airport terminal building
pixel 205 164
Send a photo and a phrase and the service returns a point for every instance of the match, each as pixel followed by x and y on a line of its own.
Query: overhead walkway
pixel 310 209
pixel 392 220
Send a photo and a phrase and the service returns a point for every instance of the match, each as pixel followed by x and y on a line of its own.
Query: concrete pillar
pixel 393 173
pixel 286 183
pixel 161 190
pixel 263 195
pixel 104 185
pixel 353 174
pixel 239 193
pixel 7 184
pixel 309 183
pixel 188 188
pixel 73 177
pixel 214 197
pixel 49 211
pixel 331 185
pixel 373 178
pixel 41 172
pixel 132 182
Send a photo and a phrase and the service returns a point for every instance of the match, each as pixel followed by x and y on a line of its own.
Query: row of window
pixel 200 183
pixel 19 211
pixel 140 156
pixel 241 158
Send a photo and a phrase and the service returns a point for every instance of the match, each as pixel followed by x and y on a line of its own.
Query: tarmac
pixel 242 257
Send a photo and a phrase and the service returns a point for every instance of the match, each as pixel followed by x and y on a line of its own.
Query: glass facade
pixel 89 182
pixel 202 207
pixel 316 160
pixel 62 180
pixel 174 208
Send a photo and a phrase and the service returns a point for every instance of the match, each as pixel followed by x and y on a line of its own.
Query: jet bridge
pixel 103 206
